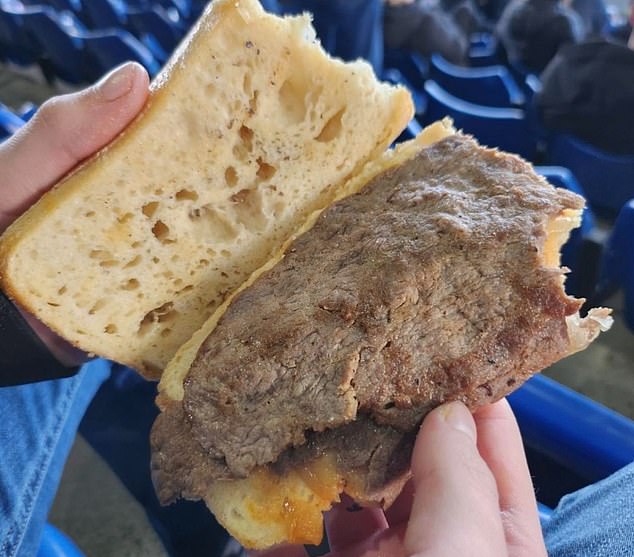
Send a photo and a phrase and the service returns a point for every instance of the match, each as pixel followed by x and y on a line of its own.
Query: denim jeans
pixel 597 521
pixel 38 424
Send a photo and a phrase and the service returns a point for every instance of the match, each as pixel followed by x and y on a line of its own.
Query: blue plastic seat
pixel 108 49
pixel 531 85
pixel 506 128
pixel 571 440
pixel 483 50
pixel 9 122
pixel 607 179
pixel 73 6
pixel 56 544
pixel 581 253
pixel 59 46
pixel 412 65
pixel 154 24
pixel 105 14
pixel 490 86
pixel 27 111
pixel 184 8
pixel 617 267
pixel 15 44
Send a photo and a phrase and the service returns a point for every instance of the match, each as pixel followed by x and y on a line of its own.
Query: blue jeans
pixel 37 428
pixel 38 424
pixel 596 521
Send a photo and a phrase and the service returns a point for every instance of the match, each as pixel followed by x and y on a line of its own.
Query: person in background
pixel 467 16
pixel 492 9
pixel 588 91
pixel 423 27
pixel 532 31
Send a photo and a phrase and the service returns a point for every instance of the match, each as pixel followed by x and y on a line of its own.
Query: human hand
pixel 65 131
pixel 471 494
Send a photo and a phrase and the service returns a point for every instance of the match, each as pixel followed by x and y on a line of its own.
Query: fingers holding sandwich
pixel 455 509
pixel 500 445
pixel 65 131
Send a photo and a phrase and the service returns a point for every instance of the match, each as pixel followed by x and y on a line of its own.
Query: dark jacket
pixel 532 31
pixel 588 91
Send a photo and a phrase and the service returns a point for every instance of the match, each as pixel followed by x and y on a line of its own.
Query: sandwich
pixel 434 277
pixel 304 295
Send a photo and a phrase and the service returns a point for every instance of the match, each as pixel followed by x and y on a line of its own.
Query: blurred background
pixel 550 80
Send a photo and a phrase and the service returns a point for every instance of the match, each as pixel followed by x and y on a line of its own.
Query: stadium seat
pixel 490 86
pixel 56 544
pixel 607 179
pixel 571 440
pixel 184 8
pixel 56 36
pixel 506 128
pixel 73 6
pixel 413 66
pixel 153 24
pixel 14 42
pixel 532 85
pixel 107 49
pixel 617 267
pixel 483 50
pixel 105 14
pixel 582 252
pixel 9 122
pixel 27 111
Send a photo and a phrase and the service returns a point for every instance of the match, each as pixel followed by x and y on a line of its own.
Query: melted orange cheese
pixel 295 502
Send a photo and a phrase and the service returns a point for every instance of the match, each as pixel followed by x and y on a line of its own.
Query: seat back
pixel 63 50
pixel 104 14
pixel 483 50
pixel 488 86
pixel 9 122
pixel 153 23
pixel 412 65
pixel 506 128
pixel 55 543
pixel 110 48
pixel 617 266
pixel 607 179
pixel 16 45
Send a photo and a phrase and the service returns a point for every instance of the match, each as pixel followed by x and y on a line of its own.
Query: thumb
pixel 455 509
pixel 65 131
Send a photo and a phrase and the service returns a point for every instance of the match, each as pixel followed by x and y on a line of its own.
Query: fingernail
pixel 117 83
pixel 457 415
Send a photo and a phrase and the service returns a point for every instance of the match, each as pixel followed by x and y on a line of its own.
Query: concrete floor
pixel 97 512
